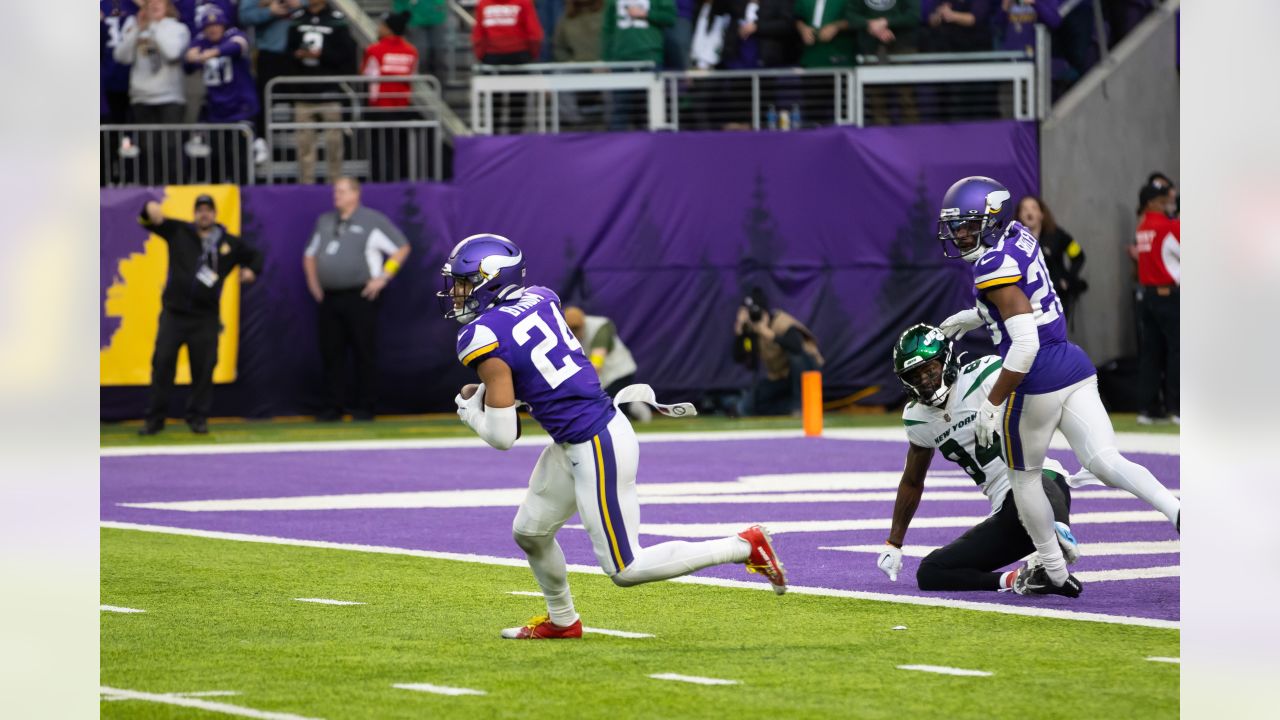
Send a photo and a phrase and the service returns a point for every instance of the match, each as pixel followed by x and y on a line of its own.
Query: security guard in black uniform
pixel 201 255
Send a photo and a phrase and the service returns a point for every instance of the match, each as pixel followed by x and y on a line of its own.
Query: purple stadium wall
pixel 662 232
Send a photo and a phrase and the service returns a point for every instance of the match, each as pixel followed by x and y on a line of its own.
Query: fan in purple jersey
pixel 1047 383
pixel 221 53
pixel 517 340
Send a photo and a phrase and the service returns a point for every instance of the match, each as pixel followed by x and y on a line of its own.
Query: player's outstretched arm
pixel 910 488
pixel 1024 344
pixel 491 411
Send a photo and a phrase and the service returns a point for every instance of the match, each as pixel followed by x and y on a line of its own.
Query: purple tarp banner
pixel 662 232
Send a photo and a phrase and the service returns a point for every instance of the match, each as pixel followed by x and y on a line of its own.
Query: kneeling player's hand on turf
pixel 988 421
pixel 890 562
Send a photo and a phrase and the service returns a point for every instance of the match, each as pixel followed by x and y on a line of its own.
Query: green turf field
pixel 221 615
pixel 402 428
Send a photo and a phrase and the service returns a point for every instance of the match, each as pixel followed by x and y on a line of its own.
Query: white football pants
pixel 1077 410
pixel 597 479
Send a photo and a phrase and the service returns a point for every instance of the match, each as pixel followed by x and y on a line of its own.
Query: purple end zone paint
pixel 487 531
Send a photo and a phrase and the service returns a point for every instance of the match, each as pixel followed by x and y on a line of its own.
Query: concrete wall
pixel 1097 147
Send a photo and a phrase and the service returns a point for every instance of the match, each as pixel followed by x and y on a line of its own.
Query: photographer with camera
pixel 785 346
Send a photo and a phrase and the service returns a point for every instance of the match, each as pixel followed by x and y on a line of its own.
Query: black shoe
pixel 328 416
pixel 199 426
pixel 152 427
pixel 1035 581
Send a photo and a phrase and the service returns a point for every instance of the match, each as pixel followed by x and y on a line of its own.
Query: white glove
pixel 890 561
pixel 468 408
pixel 988 421
pixel 962 322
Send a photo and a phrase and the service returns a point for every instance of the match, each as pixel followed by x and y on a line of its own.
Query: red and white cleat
pixel 763 559
pixel 541 628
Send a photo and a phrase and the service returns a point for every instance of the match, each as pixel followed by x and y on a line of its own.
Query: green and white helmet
pixel 913 362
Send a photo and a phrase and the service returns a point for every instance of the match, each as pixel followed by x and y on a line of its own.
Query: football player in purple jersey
pixel 1046 383
pixel 518 342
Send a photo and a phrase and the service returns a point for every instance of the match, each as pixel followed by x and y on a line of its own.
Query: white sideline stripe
pixel 1147 573
pixel 118 609
pixel 617 633
pixel 1098 549
pixel 327 601
pixel 438 689
pixel 777 527
pixel 1126 442
pixel 693 679
pixel 525 593
pixel 943 670
pixel 1031 611
pixel 190 702
pixel 202 693
pixel 1175 661
pixel 512 497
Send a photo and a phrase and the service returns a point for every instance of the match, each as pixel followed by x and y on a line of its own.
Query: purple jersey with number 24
pixel 550 371
pixel 1016 260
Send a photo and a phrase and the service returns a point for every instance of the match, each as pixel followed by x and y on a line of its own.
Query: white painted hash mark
pixel 617 633
pixel 693 679
pixel 202 693
pixel 225 709
pixel 327 601
pixel 118 609
pixel 943 670
pixel 1175 661
pixel 524 593
pixel 437 689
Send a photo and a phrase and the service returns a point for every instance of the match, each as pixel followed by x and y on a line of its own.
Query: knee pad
pixel 621 581
pixel 1105 462
pixel 529 543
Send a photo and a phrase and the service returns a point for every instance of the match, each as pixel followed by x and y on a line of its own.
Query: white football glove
pixel 988 421
pixel 960 323
pixel 890 561
pixel 468 408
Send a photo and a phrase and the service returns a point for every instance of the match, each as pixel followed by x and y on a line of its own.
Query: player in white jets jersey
pixel 942 414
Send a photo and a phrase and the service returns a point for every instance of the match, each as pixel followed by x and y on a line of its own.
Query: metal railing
pixel 333 129
pixel 202 153
pixel 555 97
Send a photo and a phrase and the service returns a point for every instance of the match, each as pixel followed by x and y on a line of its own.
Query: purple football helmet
pixel 973 213
pixel 492 268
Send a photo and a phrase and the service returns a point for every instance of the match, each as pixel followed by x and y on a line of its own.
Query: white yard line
pixel 693 679
pixel 1146 573
pixel 718 582
pixel 1175 661
pixel 778 527
pixel 225 709
pixel 512 497
pixel 438 689
pixel 1126 442
pixel 202 693
pixel 617 633
pixel 1098 549
pixel 118 609
pixel 944 670
pixel 327 601
pixel 525 593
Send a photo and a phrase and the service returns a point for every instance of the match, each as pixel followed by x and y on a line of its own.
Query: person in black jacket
pixel 201 255
pixel 771 23
pixel 1062 254
pixel 320 44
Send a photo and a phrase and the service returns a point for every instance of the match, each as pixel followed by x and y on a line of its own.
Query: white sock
pixel 546 559
pixel 676 558
pixel 1036 514
pixel 1116 470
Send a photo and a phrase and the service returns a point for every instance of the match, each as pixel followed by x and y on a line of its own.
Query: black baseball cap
pixel 1150 192
pixel 206 200
pixel 396 22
